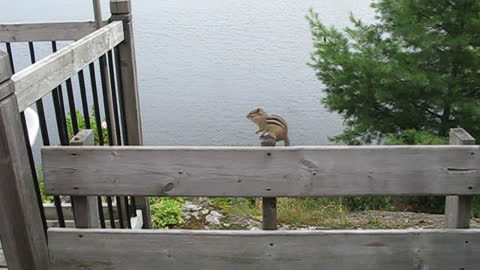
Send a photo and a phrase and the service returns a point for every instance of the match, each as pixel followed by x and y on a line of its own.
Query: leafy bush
pixel 412 137
pixel 82 125
pixel 166 212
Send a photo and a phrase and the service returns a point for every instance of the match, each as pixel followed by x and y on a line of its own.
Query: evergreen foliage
pixel 416 67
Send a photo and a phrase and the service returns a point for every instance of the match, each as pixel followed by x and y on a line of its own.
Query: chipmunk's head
pixel 257 115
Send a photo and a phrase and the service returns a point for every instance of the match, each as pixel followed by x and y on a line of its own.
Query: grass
pixel 293 211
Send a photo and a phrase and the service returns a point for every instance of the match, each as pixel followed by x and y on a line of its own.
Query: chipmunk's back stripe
pixel 276 120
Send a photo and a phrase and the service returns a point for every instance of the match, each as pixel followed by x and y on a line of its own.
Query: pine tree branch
pixel 436 24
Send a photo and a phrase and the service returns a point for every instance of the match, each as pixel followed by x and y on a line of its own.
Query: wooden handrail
pixel 46 31
pixel 37 80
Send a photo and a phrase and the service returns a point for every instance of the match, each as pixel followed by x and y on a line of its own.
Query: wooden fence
pixel 267 172
pixel 83 171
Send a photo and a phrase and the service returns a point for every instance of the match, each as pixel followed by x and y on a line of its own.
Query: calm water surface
pixel 203 65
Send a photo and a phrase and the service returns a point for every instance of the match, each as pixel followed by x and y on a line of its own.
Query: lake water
pixel 203 65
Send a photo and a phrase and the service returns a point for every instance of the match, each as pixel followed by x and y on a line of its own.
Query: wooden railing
pixel 265 172
pixel 57 31
pixel 37 80
pixel 23 223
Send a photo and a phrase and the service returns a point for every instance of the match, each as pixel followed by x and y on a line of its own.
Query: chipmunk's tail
pixel 287 141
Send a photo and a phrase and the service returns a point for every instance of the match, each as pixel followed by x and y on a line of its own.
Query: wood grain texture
pixel 37 80
pixel 49 31
pixel 23 237
pixel 275 250
pixel 458 208
pixel 6 89
pixel 6 86
pixel 5 68
pixel 262 172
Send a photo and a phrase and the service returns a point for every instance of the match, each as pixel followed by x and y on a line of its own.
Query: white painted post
pixel 458 208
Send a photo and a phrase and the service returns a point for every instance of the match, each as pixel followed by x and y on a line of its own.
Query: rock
pixel 190 207
pixel 205 211
pixel 213 218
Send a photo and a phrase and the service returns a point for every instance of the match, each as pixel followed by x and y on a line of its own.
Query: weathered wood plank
pixel 5 68
pixel 70 223
pixel 51 212
pixel 49 31
pixel 23 237
pixel 459 208
pixel 261 172
pixel 37 80
pixel 6 86
pixel 279 250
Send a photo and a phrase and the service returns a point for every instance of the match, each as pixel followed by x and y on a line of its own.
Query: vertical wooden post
pixel 85 209
pixel 23 238
pixel 458 208
pixel 122 10
pixel 105 78
pixel 269 205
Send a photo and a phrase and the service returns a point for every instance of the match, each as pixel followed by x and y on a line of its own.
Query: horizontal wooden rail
pixel 262 172
pixel 50 31
pixel 279 250
pixel 51 212
pixel 37 80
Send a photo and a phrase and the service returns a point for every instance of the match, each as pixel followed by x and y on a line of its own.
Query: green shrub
pixel 166 212
pixel 415 137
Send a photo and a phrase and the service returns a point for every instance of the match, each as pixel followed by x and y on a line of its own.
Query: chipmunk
pixel 273 124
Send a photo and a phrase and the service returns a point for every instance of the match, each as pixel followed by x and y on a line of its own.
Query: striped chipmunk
pixel 272 124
